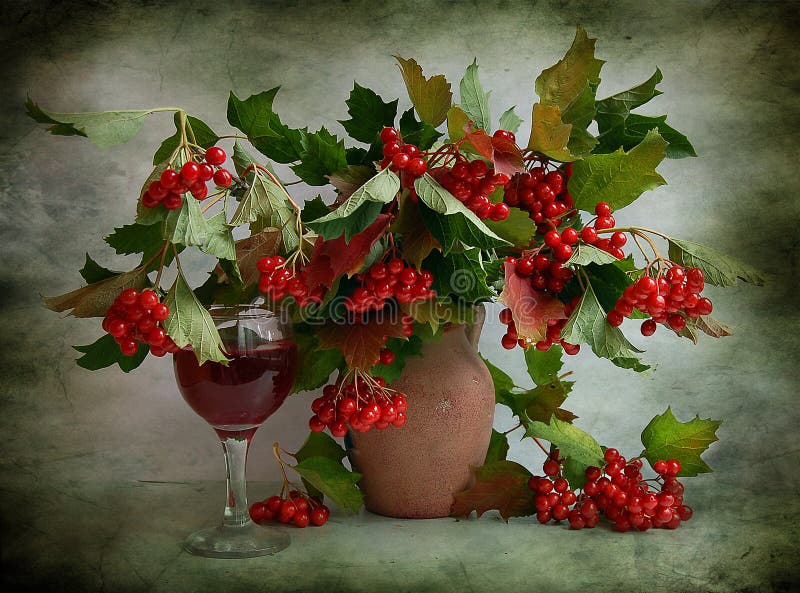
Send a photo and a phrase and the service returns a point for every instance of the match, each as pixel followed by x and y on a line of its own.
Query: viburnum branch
pixel 161 263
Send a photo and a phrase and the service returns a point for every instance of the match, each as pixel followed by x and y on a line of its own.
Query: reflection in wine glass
pixel 235 399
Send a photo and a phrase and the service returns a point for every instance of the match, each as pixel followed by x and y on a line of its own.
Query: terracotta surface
pixel 414 471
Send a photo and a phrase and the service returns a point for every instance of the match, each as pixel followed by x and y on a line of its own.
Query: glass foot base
pixel 246 541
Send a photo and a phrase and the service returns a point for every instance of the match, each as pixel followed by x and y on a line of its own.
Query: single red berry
pixel 389 134
pixel 159 312
pixel 417 167
pixel 190 172
pixel 610 454
pixel 392 148
pixel 569 236
pixel 673 467
pixel 274 503
pixel 169 179
pixel 614 318
pixel 478 168
pixel 400 160
pixel 319 516
pixel 301 519
pixel 215 155
pixel 648 327
pixel 562 253
pixel 148 299
pixel 676 322
pixel 129 347
pixel 173 201
pixel 551 467
pixel 618 239
pixel 602 209
pixel 257 511
pixel 117 328
pixel 387 356
pixel 499 212
pixel 223 178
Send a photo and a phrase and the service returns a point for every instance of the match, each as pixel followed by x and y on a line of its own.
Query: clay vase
pixel 414 471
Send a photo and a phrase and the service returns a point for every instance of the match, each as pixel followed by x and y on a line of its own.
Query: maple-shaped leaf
pixel 335 257
pixel 431 96
pixel 105 352
pixel 498 448
pixel 359 342
pixel 545 402
pixel 501 486
pixel 251 249
pixel 334 480
pixel 417 240
pixel 94 299
pixel 531 309
pixel 667 438
pixel 549 134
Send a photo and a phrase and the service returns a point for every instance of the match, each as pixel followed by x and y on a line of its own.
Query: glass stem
pixel 236 447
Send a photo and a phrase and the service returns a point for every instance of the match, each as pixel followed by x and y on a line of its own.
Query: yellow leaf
pixel 431 96
pixel 549 135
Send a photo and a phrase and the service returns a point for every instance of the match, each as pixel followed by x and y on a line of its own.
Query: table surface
pixel 126 536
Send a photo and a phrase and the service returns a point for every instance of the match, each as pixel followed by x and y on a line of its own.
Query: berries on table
pixel 298 509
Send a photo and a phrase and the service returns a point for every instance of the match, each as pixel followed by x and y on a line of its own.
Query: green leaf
pixel 351 217
pixel 333 480
pixel 368 114
pixel 501 486
pixel 319 444
pixel 503 384
pixel 203 136
pixel 474 100
pixel 518 229
pixel 137 238
pixel 459 274
pixel 572 442
pixel 457 223
pixel 314 209
pixel 255 117
pixel 457 123
pixel 667 438
pixel 323 154
pixel 418 133
pixel 267 202
pixel 187 225
pixel 103 128
pixel 93 272
pixel 190 324
pixel 510 120
pixel 574 472
pixel 563 82
pixel 219 241
pixel 105 352
pixel 543 367
pixel 314 365
pixel 542 402
pixel 627 101
pixel 588 325
pixel 719 269
pixel 617 178
pixel 431 97
pixel 348 180
pixel 635 128
pixel 584 254
pixel 498 448
pixel 243 158
pixel 402 348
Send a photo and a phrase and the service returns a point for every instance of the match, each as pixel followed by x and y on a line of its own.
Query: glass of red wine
pixel 235 399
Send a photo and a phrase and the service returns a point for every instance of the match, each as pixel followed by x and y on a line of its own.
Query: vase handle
pixel 473 331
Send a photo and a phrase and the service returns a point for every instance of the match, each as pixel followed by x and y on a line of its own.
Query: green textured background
pixel 101 475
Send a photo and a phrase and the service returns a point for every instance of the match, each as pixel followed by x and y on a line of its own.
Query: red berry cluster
pixel 670 299
pixel 604 220
pixel 402 158
pixel 192 178
pixel 362 404
pixel 136 317
pixel 545 269
pixel 383 281
pixel 277 281
pixel 298 508
pixel 472 182
pixel 552 336
pixel 542 194
pixel 617 491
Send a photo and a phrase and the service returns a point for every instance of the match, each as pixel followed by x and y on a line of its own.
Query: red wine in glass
pixel 235 398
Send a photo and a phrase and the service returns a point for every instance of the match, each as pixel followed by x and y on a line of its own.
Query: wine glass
pixel 235 399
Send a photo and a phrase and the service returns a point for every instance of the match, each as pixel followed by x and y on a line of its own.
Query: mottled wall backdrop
pixel 730 83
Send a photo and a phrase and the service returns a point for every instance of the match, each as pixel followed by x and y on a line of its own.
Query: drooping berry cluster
pixel 552 336
pixel 362 403
pixel 542 194
pixel 402 158
pixel 136 317
pixel 604 220
pixel 472 182
pixel 393 279
pixel 669 298
pixel 617 491
pixel 544 267
pixel 277 281
pixel 169 189
pixel 298 509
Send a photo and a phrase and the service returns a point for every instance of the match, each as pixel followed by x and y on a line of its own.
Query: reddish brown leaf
pixel 336 257
pixel 349 180
pixel 713 327
pixel 482 143
pixel 507 156
pixel 501 486
pixel 530 308
pixel 360 343
pixel 417 239
pixel 251 249
pixel 93 300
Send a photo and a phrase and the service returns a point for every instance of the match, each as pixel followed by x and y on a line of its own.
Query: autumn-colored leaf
pixel 501 486
pixel 349 179
pixel 417 239
pixel 481 143
pixel 336 257
pixel 549 135
pixel 507 156
pixel 713 327
pixel 431 96
pixel 93 300
pixel 251 249
pixel 359 342
pixel 531 309
pixel 545 401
